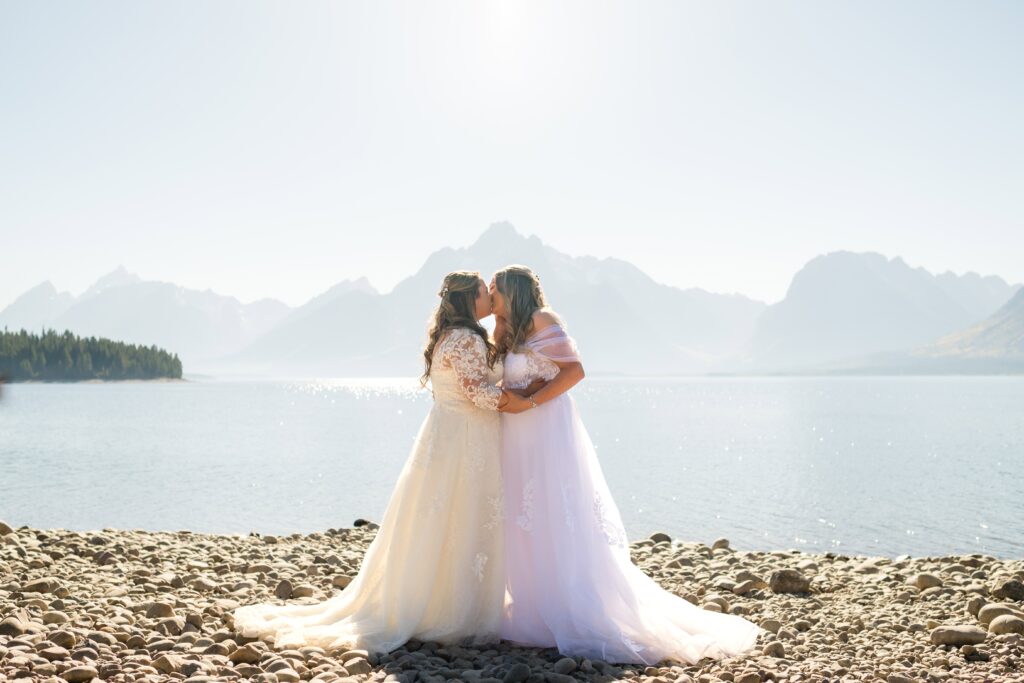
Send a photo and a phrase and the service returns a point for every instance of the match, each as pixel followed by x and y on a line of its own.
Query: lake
pixel 854 465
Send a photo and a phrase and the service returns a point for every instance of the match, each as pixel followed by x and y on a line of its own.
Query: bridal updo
pixel 523 297
pixel 457 308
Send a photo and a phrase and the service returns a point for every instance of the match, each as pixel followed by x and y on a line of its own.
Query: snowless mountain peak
pixel 115 278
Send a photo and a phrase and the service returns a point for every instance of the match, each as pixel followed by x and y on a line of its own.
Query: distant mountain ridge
pixel 998 337
pixel 843 312
pixel 196 325
pixel 993 346
pixel 847 305
pixel 618 312
pixel 36 307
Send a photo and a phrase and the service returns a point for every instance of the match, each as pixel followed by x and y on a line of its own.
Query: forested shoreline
pixel 64 357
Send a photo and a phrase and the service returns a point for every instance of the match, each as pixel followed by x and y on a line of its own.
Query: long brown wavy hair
pixel 523 297
pixel 457 309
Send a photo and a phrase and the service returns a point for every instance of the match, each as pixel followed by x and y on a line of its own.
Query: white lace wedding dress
pixel 435 570
pixel 571 581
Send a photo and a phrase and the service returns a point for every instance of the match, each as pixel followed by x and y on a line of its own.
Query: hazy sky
pixel 273 149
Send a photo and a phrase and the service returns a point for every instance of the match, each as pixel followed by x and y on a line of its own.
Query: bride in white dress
pixel 435 570
pixel 571 582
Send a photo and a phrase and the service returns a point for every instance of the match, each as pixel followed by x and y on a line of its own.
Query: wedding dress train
pixel 570 578
pixel 435 569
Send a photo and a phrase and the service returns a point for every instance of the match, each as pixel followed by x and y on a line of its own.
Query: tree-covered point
pixel 55 357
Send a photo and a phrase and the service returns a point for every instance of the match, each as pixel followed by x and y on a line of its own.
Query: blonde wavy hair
pixel 457 309
pixel 523 297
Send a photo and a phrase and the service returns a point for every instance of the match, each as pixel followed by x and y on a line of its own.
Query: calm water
pixel 867 465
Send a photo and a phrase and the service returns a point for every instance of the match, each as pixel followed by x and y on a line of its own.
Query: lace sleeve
pixel 466 353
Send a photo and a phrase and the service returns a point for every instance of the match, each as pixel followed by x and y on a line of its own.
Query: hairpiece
pixel 444 290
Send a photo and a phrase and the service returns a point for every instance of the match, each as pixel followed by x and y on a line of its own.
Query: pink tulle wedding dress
pixel 570 579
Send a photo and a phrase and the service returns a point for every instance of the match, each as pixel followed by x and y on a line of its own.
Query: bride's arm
pixel 530 390
pixel 467 356
pixel 570 372
pixel 569 375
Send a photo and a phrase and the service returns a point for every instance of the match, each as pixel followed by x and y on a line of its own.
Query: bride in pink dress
pixel 570 579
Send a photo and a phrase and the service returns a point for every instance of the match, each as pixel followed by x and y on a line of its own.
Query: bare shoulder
pixel 545 317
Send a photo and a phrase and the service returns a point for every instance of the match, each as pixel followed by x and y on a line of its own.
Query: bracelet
pixel 532 402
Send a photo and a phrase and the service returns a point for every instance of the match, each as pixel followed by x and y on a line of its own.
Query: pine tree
pixel 50 356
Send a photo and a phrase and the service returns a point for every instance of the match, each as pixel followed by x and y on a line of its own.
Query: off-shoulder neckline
pixel 537 333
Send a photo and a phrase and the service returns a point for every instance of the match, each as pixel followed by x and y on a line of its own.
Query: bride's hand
pixel 528 391
pixel 535 386
pixel 514 404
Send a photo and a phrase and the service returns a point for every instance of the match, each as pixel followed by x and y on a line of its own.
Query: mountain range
pixel 611 303
pixel 199 326
pixel 843 312
pixel 847 309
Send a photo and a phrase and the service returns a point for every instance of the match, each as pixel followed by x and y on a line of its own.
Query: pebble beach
pixel 133 605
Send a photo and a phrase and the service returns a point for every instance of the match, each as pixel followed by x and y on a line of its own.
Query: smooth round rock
pixel 245 655
pixel 957 635
pixel 789 581
pixel 167 663
pixel 288 675
pixel 11 627
pixel 565 665
pixel 1009 590
pixel 1006 623
pixel 79 674
pixel 160 610
pixel 55 653
pixel 47 584
pixel 353 654
pixel 62 638
pixel 101 637
pixel 995 609
pixel 284 589
pixel 517 673
pixel 203 585
pixel 975 604
pixel 358 666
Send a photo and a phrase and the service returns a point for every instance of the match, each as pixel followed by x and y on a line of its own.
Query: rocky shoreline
pixel 134 605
